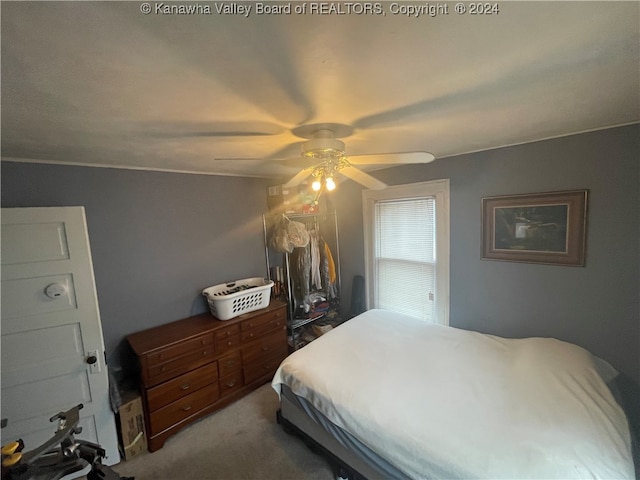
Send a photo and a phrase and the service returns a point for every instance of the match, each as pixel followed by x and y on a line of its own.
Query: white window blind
pixel 406 249
pixel 405 256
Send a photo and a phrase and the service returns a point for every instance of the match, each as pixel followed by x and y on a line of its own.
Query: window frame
pixel 439 189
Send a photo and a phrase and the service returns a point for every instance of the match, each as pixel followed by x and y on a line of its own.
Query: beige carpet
pixel 242 441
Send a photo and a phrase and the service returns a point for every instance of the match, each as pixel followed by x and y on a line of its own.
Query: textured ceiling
pixel 102 83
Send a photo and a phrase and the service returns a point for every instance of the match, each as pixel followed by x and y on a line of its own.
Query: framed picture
pixel 544 228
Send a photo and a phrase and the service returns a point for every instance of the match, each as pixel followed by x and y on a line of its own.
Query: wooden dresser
pixel 192 367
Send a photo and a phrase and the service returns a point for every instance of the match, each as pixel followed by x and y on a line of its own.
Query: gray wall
pixel 596 306
pixel 157 239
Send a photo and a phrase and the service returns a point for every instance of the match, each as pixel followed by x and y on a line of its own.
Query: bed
pixel 389 396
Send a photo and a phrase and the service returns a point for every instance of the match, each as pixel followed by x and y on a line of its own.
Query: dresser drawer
pixel 230 383
pixel 179 387
pixel 227 344
pixel 274 344
pixel 228 338
pixel 168 353
pixel 190 361
pixel 263 324
pixel 173 413
pixel 263 368
pixel 227 332
pixel 230 363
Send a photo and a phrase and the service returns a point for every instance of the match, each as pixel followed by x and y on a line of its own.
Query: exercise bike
pixel 59 456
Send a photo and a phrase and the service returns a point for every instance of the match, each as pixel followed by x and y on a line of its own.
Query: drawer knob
pixel 187 408
pixel 231 384
pixel 229 343
pixel 251 335
pixel 265 348
pixel 229 363
pixel 185 386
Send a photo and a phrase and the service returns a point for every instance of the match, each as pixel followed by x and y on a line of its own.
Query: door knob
pixel 91 359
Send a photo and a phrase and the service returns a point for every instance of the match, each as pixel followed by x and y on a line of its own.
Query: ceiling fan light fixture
pixel 329 156
pixel 323 148
pixel 330 184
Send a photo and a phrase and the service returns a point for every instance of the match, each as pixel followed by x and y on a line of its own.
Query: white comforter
pixel 440 402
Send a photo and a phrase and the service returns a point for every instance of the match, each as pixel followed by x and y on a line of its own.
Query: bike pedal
pixel 11 460
pixel 11 448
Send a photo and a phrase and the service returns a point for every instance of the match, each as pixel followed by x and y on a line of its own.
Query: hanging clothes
pixel 287 234
pixel 328 269
pixel 298 234
pixel 279 236
pixel 314 242
pixel 332 265
pixel 301 270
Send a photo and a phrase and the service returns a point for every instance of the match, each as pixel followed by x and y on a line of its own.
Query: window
pixel 407 249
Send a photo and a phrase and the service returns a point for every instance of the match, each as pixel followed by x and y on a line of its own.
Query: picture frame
pixel 546 228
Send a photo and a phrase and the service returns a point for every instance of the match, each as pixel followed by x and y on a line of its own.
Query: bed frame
pixel 349 458
pixel 339 467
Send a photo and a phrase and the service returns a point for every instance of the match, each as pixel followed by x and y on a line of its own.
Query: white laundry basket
pixel 228 300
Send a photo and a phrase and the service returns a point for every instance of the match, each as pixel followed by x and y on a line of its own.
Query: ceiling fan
pixel 328 153
pixel 323 156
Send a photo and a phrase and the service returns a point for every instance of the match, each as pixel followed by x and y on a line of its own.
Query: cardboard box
pixel 299 199
pixel 133 438
pixel 281 199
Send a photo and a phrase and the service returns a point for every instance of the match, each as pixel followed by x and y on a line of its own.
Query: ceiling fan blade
pixel 238 159
pixel 391 158
pixel 296 162
pixel 287 152
pixel 300 177
pixel 268 78
pixel 363 178
pixel 214 129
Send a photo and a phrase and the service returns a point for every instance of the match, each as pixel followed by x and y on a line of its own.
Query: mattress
pixel 440 402
pixel 342 449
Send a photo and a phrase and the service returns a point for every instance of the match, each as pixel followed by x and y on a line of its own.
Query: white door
pixel 51 330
